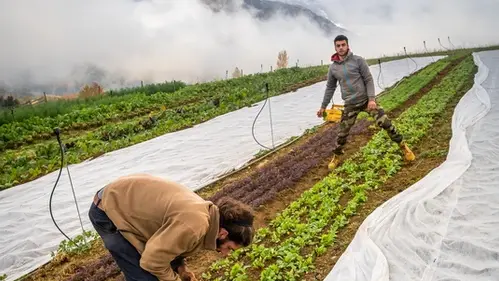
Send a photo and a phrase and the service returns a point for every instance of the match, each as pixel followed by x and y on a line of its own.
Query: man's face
pixel 225 246
pixel 341 47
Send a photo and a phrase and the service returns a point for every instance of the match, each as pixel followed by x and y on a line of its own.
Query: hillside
pixel 265 10
pixel 25 85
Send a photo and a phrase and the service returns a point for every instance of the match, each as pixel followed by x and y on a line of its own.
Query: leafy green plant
pixel 79 245
pixel 61 107
pixel 167 112
pixel 184 108
pixel 261 153
pixel 287 248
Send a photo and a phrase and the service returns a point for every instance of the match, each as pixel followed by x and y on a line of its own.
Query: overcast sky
pixel 164 40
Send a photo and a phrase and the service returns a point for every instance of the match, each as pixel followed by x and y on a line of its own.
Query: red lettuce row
pixel 98 270
pixel 266 182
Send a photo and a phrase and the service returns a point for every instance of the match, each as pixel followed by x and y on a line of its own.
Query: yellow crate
pixel 333 114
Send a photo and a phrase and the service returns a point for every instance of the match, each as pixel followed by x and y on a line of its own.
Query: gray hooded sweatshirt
pixel 354 77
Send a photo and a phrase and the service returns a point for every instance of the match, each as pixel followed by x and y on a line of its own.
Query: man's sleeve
pixel 368 78
pixel 330 88
pixel 164 246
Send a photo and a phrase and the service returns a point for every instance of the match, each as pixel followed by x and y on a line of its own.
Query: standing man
pixel 357 90
pixel 149 225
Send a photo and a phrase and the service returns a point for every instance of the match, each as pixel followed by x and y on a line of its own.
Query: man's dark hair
pixel 237 218
pixel 340 38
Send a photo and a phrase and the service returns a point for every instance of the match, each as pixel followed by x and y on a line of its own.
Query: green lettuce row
pixel 36 127
pixel 41 158
pixel 31 161
pixel 287 263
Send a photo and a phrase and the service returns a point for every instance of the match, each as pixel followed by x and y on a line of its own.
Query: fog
pixel 386 26
pixel 44 42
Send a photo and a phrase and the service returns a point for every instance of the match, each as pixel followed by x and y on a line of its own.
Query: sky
pixel 156 40
pixel 386 26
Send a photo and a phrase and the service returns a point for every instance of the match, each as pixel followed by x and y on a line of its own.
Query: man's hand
pixel 188 276
pixel 372 105
pixel 185 274
pixel 320 112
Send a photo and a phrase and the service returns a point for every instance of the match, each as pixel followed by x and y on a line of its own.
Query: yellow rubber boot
pixel 409 155
pixel 334 162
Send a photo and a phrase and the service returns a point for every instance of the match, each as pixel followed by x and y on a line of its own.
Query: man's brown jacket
pixel 161 219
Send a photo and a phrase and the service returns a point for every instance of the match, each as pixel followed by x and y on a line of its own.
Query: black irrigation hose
pixel 450 43
pixel 271 126
pixel 405 51
pixel 57 133
pixel 379 74
pixel 424 44
pixel 442 45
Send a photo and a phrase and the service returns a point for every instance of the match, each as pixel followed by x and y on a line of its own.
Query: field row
pixel 289 245
pixel 263 186
pixel 133 121
pixel 32 161
pixel 60 107
pixel 289 242
pixel 226 95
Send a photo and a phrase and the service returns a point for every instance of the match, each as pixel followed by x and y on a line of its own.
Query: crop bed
pixel 287 248
pixel 309 216
pixel 265 183
pixel 25 152
pixel 431 152
pixel 231 94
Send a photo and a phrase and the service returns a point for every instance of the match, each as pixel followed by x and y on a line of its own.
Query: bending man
pixel 149 225
pixel 357 90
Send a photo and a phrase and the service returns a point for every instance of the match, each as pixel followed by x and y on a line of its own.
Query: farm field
pixel 28 149
pixel 288 245
pixel 195 157
pixel 294 182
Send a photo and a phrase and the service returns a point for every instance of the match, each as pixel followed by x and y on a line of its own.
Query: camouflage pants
pixel 349 117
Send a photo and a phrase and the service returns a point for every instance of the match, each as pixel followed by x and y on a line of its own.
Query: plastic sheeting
pixel 446 226
pixel 194 157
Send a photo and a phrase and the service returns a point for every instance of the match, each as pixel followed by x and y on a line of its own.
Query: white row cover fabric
pixel 194 157
pixel 446 226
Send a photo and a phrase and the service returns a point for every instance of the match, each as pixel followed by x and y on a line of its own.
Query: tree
pixel 236 73
pixel 282 59
pixel 10 102
pixel 90 91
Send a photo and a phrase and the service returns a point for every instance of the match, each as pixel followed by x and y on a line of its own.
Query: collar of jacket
pixel 210 240
pixel 336 57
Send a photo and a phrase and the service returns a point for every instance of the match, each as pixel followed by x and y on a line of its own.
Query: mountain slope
pixel 266 9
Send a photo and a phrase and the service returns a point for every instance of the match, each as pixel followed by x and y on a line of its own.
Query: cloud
pixel 386 26
pixel 149 40
pixel 43 41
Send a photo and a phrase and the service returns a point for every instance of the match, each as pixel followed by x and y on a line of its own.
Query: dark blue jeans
pixel 124 253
